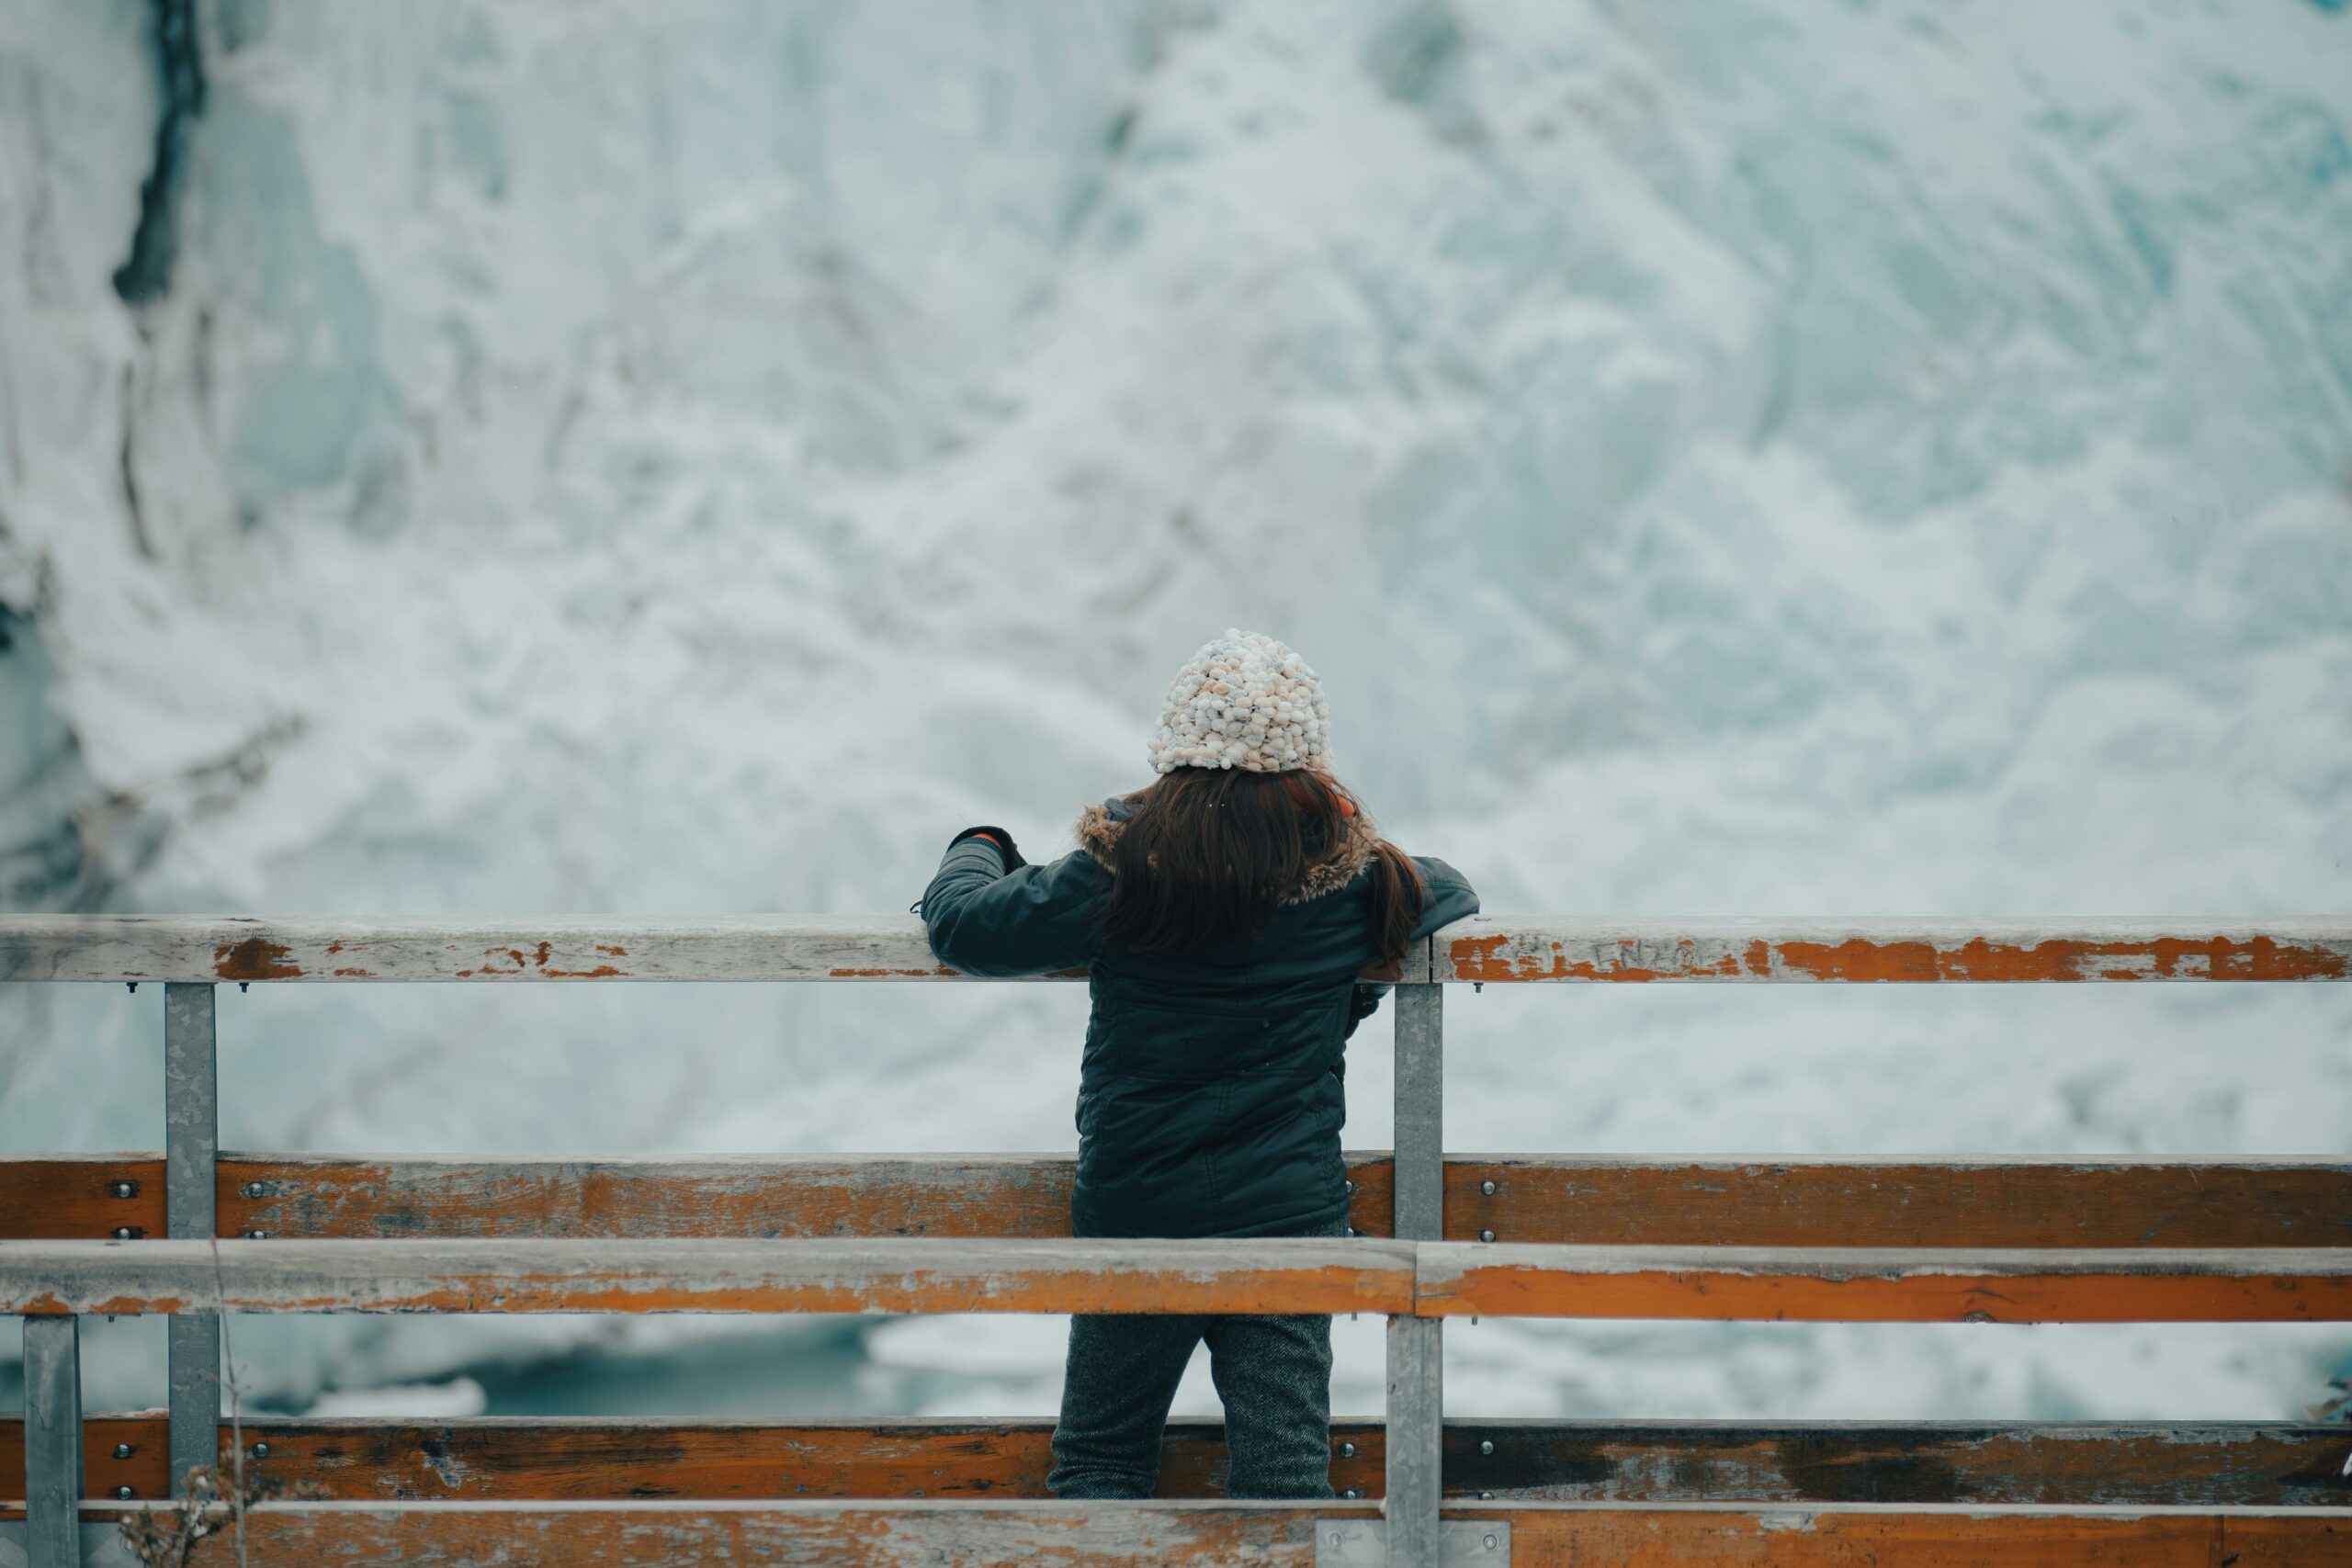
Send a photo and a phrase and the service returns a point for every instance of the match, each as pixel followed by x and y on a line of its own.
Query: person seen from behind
pixel 1225 914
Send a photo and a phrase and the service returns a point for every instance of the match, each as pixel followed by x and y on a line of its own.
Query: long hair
pixel 1210 852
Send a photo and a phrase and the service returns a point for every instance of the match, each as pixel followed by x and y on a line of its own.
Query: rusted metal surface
pixel 1603 1535
pixel 1886 1285
pixel 213 948
pixel 586 1460
pixel 919 1534
pixel 72 1197
pixel 2240 1463
pixel 1517 947
pixel 1653 1201
pixel 921 1275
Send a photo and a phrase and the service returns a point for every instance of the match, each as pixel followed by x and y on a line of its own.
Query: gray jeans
pixel 1273 1373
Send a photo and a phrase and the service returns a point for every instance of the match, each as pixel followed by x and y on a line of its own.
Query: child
pixel 1223 915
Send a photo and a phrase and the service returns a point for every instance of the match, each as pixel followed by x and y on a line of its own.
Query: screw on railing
pixel 191 1150
pixel 1416 1347
pixel 52 1442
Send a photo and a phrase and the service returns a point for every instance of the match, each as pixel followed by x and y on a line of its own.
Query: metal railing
pixel 2200 1267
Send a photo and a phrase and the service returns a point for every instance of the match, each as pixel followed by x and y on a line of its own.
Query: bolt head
pixel 124 1494
pixel 1352 1494
pixel 1351 1187
pixel 1491 1541
pixel 263 1236
pixel 1488 1188
pixel 1347 1451
pixel 255 1190
pixel 122 1451
pixel 123 1189
pixel 1485 1236
pixel 126 1233
pixel 261 1450
pixel 1486 1445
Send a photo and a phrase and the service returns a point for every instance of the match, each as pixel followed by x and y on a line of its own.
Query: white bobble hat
pixel 1245 701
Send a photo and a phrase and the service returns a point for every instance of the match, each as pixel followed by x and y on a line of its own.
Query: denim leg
pixel 1118 1381
pixel 1274 1375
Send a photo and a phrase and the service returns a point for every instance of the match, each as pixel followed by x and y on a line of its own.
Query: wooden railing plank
pixel 1506 948
pixel 576 1459
pixel 1886 1285
pixel 2243 1463
pixel 804 1535
pixel 1607 1201
pixel 1992 1203
pixel 922 1275
pixel 213 948
pixel 1916 1536
pixel 895 1534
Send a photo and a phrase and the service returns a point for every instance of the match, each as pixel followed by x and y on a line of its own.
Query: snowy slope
pixel 1757 457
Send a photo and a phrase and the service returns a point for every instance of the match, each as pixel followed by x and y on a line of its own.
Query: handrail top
pixel 210 949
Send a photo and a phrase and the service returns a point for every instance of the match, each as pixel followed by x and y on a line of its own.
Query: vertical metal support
pixel 53 1442
pixel 191 1146
pixel 1417 1345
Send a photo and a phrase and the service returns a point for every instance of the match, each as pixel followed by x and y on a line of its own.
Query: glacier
pixel 1755 457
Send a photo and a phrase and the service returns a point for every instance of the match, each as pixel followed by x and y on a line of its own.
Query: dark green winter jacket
pixel 1209 1097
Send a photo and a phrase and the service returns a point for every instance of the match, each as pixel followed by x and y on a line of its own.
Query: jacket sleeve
pixel 1447 898
pixel 985 920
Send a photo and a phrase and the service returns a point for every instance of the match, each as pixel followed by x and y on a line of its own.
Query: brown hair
pixel 1210 852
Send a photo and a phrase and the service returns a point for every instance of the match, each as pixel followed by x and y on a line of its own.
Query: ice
pixel 1758 457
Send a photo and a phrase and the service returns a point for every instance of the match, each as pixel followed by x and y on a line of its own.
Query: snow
pixel 1762 457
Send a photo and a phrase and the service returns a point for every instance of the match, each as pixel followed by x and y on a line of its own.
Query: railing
pixel 2005 1240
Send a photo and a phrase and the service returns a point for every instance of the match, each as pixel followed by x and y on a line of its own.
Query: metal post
pixel 53 1442
pixel 1416 1345
pixel 191 1146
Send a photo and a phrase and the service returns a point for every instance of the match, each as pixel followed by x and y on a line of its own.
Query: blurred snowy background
pixel 1767 456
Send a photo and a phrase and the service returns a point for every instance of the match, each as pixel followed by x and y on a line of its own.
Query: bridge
pixel 196 1232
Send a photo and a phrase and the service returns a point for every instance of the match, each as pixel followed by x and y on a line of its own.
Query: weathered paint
pixel 921 1534
pixel 1647 1201
pixel 921 1275
pixel 1509 949
pixel 1905 1536
pixel 2236 1463
pixel 584 1459
pixel 1500 948
pixel 1583 1199
pixel 1886 1285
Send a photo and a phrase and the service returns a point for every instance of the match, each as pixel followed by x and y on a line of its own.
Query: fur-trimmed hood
pixel 1098 827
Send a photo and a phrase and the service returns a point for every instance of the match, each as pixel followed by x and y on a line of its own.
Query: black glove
pixel 1011 852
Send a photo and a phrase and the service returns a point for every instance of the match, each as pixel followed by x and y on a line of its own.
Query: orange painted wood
pixel 71 1197
pixel 588 1459
pixel 1506 949
pixel 867 1195
pixel 806 1535
pixel 1654 1201
pixel 1897 1536
pixel 1867 1285
pixel 1636 1200
pixel 920 1275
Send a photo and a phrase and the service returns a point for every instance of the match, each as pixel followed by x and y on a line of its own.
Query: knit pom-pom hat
pixel 1245 701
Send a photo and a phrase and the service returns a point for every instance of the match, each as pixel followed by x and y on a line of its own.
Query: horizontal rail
pixel 215 948
pixel 809 1276
pixel 1885 1285
pixel 1275 1535
pixel 1419 1279
pixel 1516 948
pixel 590 1459
pixel 1583 1199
